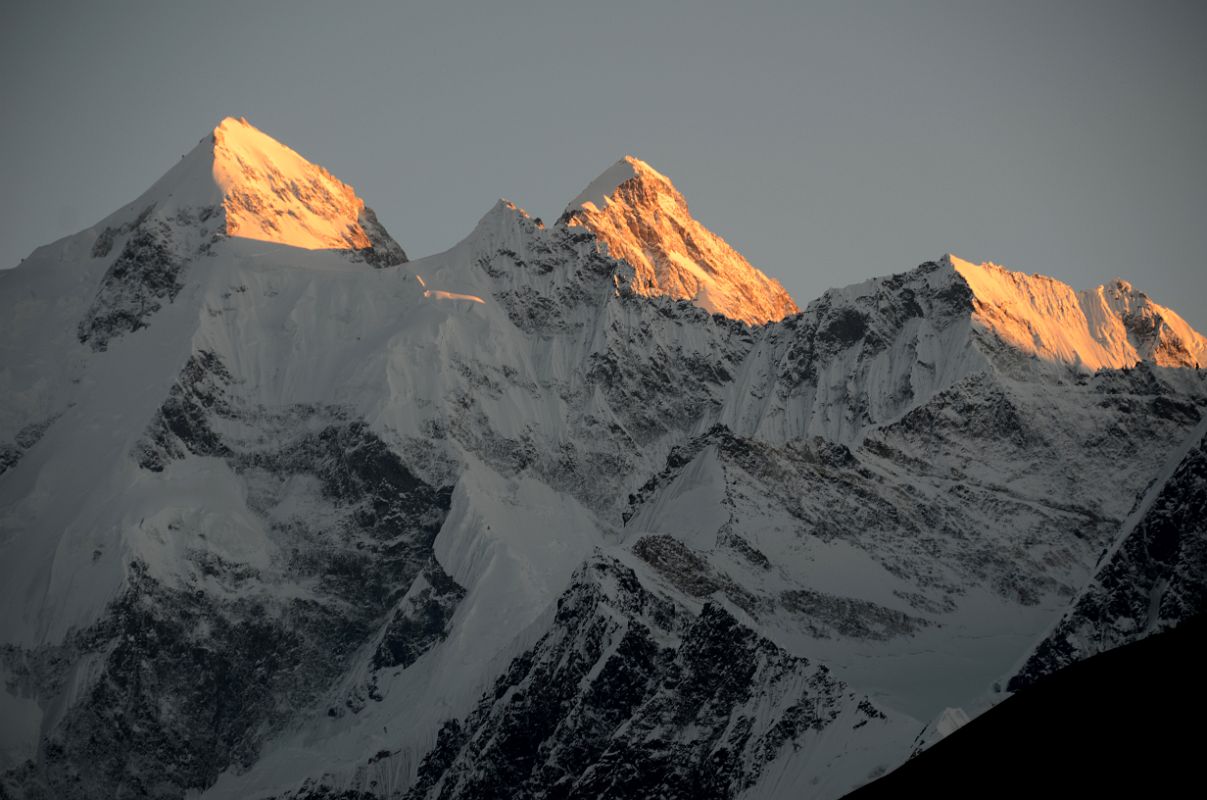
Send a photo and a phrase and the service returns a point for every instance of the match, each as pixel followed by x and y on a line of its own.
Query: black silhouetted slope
pixel 1126 723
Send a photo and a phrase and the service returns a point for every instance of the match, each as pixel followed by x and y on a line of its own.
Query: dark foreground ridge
pixel 1115 725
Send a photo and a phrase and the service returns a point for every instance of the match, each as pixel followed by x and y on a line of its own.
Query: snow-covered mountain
pixel 641 218
pixel 283 514
pixel 1111 326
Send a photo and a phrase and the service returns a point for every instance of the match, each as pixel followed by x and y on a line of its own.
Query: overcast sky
pixel 827 143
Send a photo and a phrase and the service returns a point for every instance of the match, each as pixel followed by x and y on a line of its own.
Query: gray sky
pixel 827 143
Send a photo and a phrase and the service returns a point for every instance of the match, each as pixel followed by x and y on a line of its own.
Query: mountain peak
pixel 234 124
pixel 1112 326
pixel 268 192
pixel 600 191
pixel 271 193
pixel 642 219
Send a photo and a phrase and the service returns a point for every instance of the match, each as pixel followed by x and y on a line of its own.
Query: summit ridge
pixel 1112 326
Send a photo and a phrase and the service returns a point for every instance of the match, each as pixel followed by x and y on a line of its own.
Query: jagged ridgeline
pixel 586 510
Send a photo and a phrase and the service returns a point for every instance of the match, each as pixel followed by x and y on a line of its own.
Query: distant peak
pixel 637 214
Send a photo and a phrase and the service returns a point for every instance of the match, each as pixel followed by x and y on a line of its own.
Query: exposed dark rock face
pixel 104 241
pixel 237 646
pixel 164 659
pixel 828 616
pixel 27 437
pixel 182 423
pixel 976 409
pixel 623 698
pixel 691 573
pixel 385 252
pixel 1155 580
pixel 147 272
pixel 420 621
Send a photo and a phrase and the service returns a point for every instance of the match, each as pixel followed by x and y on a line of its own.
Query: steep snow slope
pixel 1111 326
pixel 278 524
pixel 642 219
pixel 858 357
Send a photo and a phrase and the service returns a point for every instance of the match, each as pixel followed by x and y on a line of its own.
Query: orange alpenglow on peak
pixel 1110 327
pixel 641 218
pixel 272 194
pixel 267 192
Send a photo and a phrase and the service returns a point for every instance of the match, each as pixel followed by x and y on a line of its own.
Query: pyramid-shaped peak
pixel 637 214
pixel 237 125
pixel 242 152
pixel 265 190
pixel 601 191
pixel 643 170
pixel 271 193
